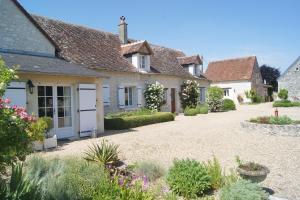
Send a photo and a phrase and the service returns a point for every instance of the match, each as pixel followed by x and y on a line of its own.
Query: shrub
pixel 281 120
pixel 202 109
pixel 136 121
pixel 243 190
pixel 285 103
pixel 190 111
pixel 228 104
pixel 188 178
pixel 103 154
pixel 252 94
pixel 154 96
pixel 215 98
pixel 189 94
pixel 151 170
pixel 215 172
pixel 283 94
pixel 38 129
pixel 19 186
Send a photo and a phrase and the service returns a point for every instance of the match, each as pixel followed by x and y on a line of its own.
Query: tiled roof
pixel 46 65
pixel 231 70
pixel 136 47
pixel 186 60
pixel 102 50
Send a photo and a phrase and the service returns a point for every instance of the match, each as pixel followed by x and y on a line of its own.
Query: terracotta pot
pixel 256 175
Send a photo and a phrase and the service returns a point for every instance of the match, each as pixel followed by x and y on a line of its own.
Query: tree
pixel 270 74
pixel 189 94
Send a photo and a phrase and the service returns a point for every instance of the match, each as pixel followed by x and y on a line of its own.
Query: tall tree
pixel 270 75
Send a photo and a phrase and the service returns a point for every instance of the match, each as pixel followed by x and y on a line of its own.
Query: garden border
pixel 271 129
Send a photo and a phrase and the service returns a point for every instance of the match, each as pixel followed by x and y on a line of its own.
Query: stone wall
pixel 283 130
pixel 17 33
pixel 290 80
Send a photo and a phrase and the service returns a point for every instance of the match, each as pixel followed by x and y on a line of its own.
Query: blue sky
pixel 216 29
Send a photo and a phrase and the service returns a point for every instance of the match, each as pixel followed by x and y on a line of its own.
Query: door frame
pixel 55 109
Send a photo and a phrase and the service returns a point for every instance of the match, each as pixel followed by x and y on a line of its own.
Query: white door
pixel 56 102
pixel 16 93
pixel 87 109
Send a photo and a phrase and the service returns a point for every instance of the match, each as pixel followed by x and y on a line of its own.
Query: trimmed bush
pixel 188 178
pixel 202 109
pixel 285 103
pixel 228 104
pixel 120 123
pixel 243 190
pixel 215 98
pixel 190 111
pixel 141 111
pixel 283 94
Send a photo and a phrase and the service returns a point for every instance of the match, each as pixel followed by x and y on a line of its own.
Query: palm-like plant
pixel 105 154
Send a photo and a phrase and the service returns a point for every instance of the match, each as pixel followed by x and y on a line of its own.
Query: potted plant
pixel 253 171
pixel 50 140
pixel 43 135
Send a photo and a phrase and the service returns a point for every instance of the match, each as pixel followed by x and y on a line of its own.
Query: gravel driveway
pixel 202 136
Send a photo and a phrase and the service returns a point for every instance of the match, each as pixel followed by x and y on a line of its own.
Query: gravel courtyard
pixel 202 136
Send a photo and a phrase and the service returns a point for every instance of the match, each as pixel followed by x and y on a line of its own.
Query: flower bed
pixel 129 120
pixel 286 103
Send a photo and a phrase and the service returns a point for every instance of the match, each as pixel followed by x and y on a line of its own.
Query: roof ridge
pixel 233 59
pixel 133 43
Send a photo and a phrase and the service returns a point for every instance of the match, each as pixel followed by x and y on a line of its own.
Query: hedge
pixel 136 121
pixel 285 103
pixel 190 111
pixel 228 104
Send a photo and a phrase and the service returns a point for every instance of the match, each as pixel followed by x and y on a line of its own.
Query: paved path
pixel 202 136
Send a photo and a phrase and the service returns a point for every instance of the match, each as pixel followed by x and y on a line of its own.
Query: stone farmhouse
pixel 76 74
pixel 290 80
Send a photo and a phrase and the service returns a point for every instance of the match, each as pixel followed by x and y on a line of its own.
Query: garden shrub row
pixel 200 109
pixel 285 103
pixel 119 123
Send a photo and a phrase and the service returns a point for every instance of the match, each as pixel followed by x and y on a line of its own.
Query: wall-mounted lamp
pixel 30 86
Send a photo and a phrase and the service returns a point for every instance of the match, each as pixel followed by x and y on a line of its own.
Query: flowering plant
pixel 189 94
pixel 154 95
pixel 15 139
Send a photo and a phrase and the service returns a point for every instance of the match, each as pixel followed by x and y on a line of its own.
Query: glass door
pixel 56 102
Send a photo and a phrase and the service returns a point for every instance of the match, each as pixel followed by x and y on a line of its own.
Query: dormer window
pixel 143 62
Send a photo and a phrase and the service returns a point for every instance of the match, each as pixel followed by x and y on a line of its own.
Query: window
pixel 226 92
pixel 128 96
pixel 45 101
pixel 143 62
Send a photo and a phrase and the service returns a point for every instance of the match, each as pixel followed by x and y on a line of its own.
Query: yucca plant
pixel 105 154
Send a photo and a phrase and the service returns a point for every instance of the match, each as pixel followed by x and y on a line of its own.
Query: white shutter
pixel 121 97
pixel 139 96
pixel 87 109
pixel 106 95
pixel 16 92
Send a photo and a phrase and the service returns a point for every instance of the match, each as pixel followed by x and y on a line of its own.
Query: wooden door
pixel 173 100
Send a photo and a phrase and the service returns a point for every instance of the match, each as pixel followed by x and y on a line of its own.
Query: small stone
pixel 271 197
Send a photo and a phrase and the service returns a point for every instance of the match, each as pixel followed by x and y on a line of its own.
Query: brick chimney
pixel 123 30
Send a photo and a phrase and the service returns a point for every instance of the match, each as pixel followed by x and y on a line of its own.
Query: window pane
pixel 61 112
pixel 41 91
pixel 68 111
pixel 41 112
pixel 49 112
pixel 60 101
pixel 67 101
pixel 41 101
pixel 60 91
pixel 130 96
pixel 67 91
pixel 126 96
pixel 49 102
pixel 68 122
pixel 61 122
pixel 49 91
